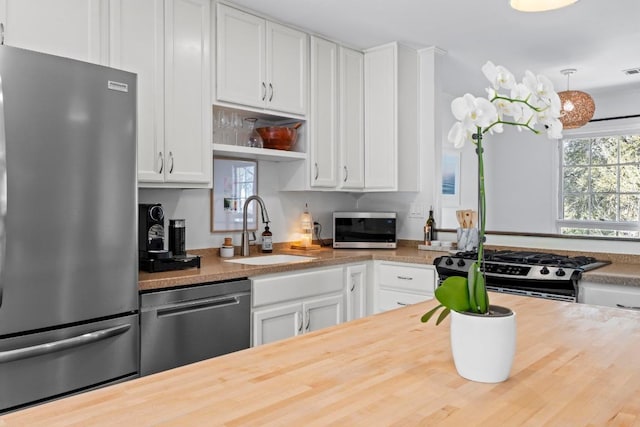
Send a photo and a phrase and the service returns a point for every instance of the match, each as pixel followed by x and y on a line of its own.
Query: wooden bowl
pixel 278 137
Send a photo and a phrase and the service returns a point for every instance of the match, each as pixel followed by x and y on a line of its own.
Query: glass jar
pixel 254 139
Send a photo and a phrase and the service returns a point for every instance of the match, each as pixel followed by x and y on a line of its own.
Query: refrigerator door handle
pixel 3 191
pixel 51 347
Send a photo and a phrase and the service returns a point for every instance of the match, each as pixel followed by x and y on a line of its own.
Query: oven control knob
pixel 461 263
pixel 544 270
pixel 560 272
pixel 448 261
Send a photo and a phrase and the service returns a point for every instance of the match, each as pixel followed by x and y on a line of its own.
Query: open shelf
pixel 223 150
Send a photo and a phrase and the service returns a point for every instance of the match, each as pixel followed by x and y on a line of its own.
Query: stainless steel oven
pixel 535 274
pixel 364 230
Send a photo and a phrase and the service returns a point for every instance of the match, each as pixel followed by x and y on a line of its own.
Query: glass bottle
pixel 254 139
pixel 267 240
pixel 430 228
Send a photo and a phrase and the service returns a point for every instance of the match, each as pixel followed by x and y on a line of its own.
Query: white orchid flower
pixel 554 129
pixel 540 86
pixel 498 75
pixel 474 112
pixel 458 135
pixel 503 106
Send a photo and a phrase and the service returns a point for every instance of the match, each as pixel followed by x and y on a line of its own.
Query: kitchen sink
pixel 271 259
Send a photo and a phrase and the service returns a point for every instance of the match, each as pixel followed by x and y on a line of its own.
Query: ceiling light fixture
pixel 539 5
pixel 576 107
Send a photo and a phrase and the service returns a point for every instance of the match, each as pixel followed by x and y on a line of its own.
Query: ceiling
pixel 599 38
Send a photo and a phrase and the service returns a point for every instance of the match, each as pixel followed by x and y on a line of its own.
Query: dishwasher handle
pixel 191 306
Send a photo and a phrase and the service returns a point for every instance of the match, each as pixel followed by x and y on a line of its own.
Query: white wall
pixel 284 209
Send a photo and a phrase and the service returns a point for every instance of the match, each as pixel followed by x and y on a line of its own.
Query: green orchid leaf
pixel 453 293
pixel 425 317
pixel 443 315
pixel 472 281
pixel 482 300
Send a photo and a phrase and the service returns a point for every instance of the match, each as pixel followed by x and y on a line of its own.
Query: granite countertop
pixel 574 366
pixel 623 270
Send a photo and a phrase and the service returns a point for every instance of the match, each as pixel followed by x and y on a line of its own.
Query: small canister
pixel 177 237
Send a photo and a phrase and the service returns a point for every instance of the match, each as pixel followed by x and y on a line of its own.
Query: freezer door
pixel 50 364
pixel 70 222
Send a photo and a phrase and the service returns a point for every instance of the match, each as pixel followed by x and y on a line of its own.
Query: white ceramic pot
pixel 484 346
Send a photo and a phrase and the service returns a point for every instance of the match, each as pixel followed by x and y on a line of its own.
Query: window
pixel 600 182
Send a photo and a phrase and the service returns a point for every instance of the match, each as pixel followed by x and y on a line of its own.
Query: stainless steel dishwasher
pixel 185 325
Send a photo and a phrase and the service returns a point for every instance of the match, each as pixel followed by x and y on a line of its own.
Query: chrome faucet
pixel 245 234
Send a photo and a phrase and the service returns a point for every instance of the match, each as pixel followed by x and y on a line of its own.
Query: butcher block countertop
pixel 624 270
pixel 575 365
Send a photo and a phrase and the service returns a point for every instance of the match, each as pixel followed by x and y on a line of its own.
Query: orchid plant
pixel 531 105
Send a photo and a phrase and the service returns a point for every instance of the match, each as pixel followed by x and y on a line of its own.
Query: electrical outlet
pixel 416 210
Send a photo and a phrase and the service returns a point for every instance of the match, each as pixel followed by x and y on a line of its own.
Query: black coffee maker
pixel 151 232
pixel 153 257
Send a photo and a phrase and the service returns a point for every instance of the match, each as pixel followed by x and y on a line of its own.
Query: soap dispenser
pixel 267 240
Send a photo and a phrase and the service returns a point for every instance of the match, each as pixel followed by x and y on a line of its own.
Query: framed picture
pixel 234 180
pixel 450 178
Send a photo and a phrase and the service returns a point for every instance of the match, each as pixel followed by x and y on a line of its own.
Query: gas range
pixel 537 274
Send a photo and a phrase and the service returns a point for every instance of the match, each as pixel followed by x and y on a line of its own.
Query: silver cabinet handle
pixel 306 328
pixel 405 278
pixel 3 188
pixel 161 162
pixel 628 307
pixel 353 286
pixel 300 322
pixel 172 161
pixel 271 90
pixel 346 174
pixel 1 33
pixel 401 303
pixel 50 347
pixel 315 177
pixel 264 91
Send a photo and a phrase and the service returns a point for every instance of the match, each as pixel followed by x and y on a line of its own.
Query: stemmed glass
pixel 222 123
pixel 236 124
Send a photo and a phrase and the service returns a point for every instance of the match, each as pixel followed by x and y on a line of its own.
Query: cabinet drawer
pixel 610 295
pixel 274 288
pixel 407 277
pixel 388 300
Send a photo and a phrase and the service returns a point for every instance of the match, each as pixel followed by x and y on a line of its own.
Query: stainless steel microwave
pixel 364 230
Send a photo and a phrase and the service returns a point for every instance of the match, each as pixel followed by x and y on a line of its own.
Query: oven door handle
pixel 628 307
pixel 65 344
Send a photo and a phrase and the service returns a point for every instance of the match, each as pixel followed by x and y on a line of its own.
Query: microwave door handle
pixel 3 192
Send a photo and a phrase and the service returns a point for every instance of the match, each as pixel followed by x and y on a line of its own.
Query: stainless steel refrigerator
pixel 68 248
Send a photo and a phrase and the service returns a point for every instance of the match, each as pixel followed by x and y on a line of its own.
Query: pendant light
pixel 539 5
pixel 576 107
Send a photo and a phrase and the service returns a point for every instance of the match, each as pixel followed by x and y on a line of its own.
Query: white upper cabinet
pixel 166 42
pixel 351 122
pixel 71 28
pixel 392 149
pixel 323 123
pixel 260 63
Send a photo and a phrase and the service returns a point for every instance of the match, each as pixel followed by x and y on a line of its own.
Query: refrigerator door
pixel 71 194
pixel 53 363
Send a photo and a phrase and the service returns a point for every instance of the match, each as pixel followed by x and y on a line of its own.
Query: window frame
pixel 605 127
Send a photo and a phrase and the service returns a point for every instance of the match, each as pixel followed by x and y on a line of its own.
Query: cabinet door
pixel 71 28
pixel 351 141
pixel 240 60
pixel 355 288
pixel 322 312
pixel 324 115
pixel 286 78
pixel 136 44
pixel 276 323
pixel 188 155
pixel 380 80
pixel 620 296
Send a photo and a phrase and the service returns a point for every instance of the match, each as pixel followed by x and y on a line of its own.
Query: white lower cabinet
pixel 355 290
pixel 290 304
pixel 620 296
pixel 400 284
